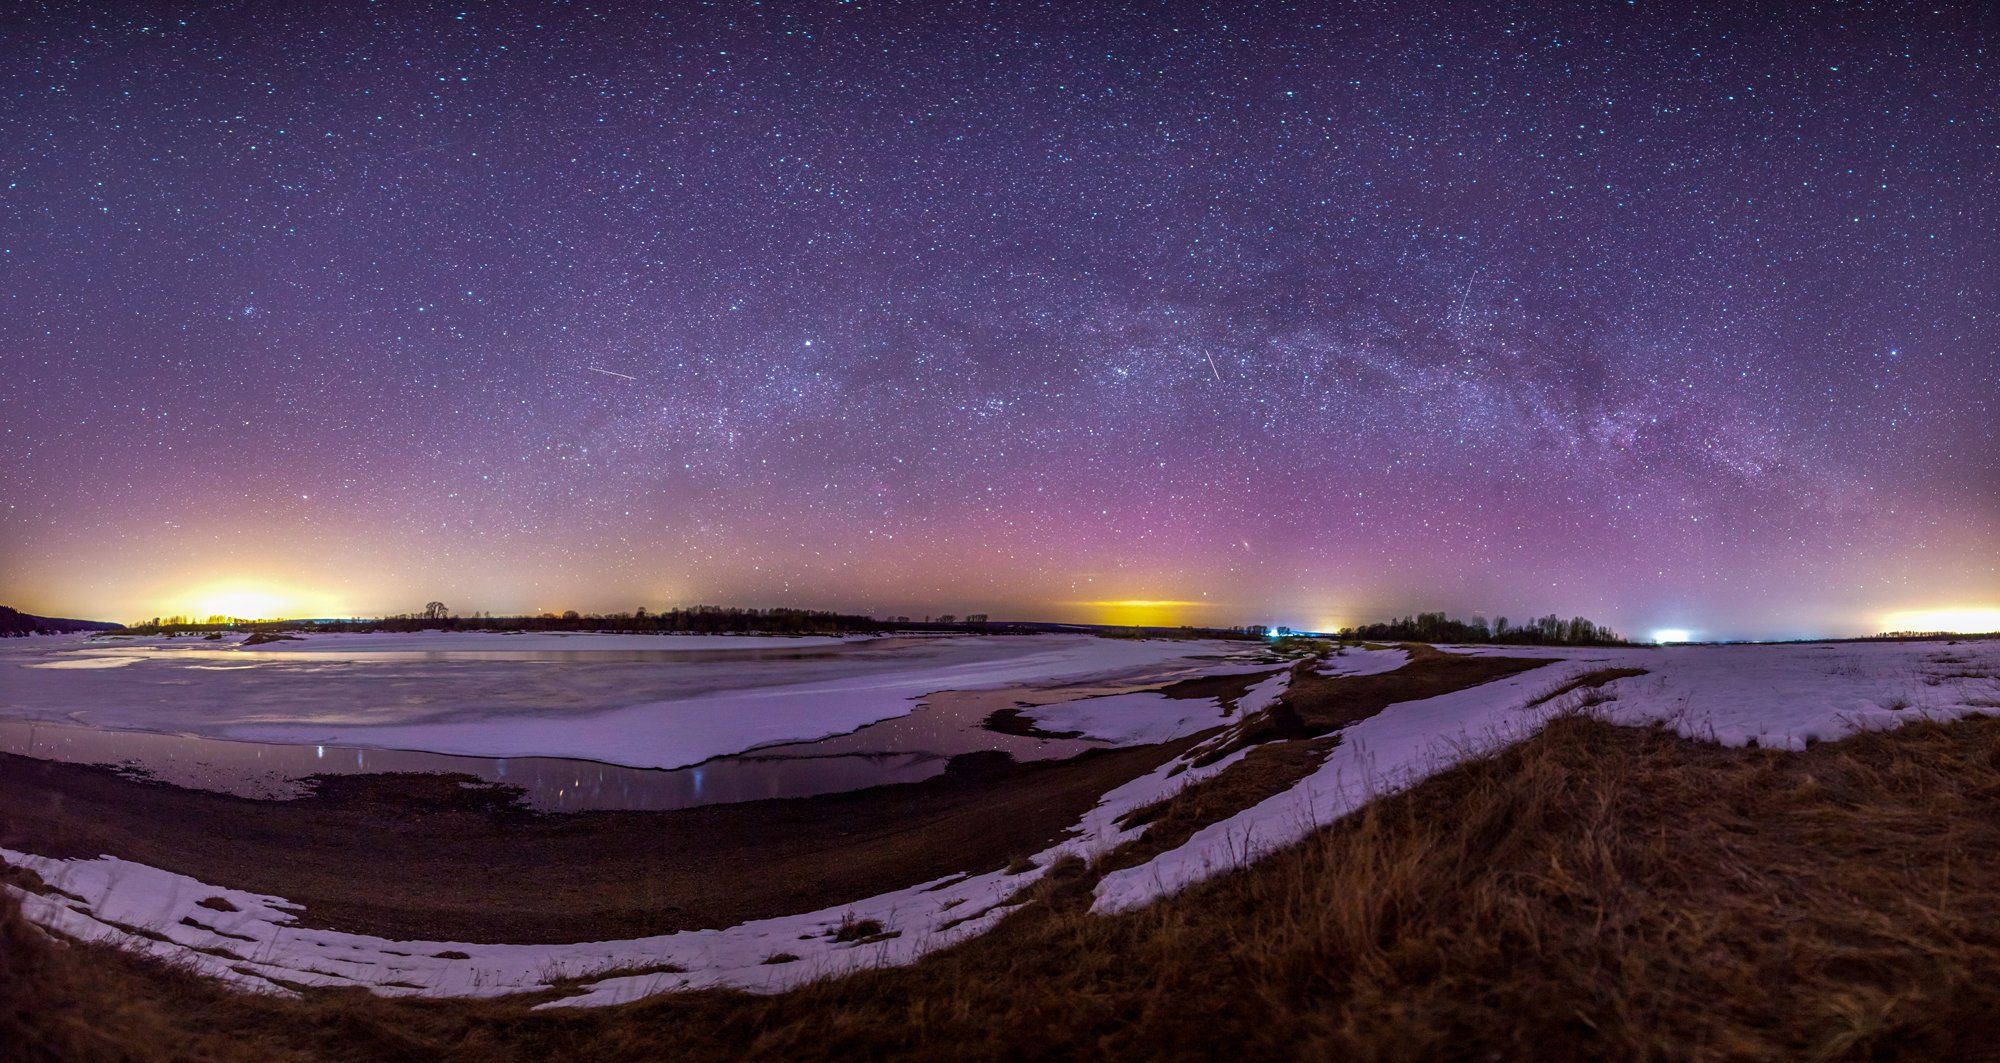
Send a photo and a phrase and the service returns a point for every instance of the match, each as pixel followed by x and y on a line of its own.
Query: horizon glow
pixel 1066 313
pixel 1962 620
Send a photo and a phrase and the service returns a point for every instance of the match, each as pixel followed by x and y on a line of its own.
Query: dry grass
pixel 1278 758
pixel 1315 704
pixel 1227 689
pixel 1265 771
pixel 1596 892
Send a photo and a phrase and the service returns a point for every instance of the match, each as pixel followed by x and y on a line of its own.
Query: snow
pixel 1129 719
pixel 1265 694
pixel 1146 717
pixel 86 662
pixel 1357 661
pixel 462 693
pixel 1779 696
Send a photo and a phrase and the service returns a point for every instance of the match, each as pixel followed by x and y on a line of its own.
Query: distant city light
pixel 1974 620
pixel 1143 612
pixel 1666 635
pixel 245 603
pixel 252 598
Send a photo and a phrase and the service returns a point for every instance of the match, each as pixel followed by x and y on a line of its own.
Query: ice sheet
pixel 633 700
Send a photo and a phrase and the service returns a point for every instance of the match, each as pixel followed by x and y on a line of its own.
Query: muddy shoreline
pixel 429 856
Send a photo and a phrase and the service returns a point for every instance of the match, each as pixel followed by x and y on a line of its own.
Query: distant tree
pixel 571 614
pixel 976 618
pixel 946 618
pixel 435 611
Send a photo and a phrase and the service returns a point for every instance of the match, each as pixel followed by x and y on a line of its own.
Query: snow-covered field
pixel 1781 696
pixel 637 700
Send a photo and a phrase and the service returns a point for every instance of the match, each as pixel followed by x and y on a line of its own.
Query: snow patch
pixel 1358 661
pixel 1128 719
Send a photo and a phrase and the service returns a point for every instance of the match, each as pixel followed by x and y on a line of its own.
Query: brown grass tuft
pixel 852 929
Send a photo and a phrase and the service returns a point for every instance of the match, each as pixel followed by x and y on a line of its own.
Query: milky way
pixel 1297 313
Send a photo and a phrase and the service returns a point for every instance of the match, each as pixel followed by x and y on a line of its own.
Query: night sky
pixel 1300 314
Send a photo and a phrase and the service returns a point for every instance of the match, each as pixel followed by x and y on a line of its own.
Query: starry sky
pixel 1294 313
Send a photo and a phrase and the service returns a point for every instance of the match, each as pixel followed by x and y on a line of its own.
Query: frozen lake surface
pixel 575 720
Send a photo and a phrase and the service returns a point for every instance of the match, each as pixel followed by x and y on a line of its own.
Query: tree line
pixel 1550 630
pixel 436 616
pixel 696 619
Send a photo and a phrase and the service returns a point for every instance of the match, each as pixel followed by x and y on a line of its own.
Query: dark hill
pixel 14 622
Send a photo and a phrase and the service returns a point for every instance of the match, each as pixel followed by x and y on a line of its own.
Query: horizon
pixel 1953 619
pixel 1305 318
pixel 1928 624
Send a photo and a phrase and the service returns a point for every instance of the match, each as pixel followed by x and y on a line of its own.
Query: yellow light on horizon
pixel 1142 612
pixel 242 603
pixel 1974 620
pixel 248 600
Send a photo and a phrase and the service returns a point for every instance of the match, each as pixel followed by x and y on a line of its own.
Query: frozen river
pixel 578 721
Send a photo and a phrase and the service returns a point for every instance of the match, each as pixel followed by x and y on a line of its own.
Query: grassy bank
pixel 1594 891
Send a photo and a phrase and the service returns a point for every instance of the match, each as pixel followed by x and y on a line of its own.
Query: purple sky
pixel 1303 314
